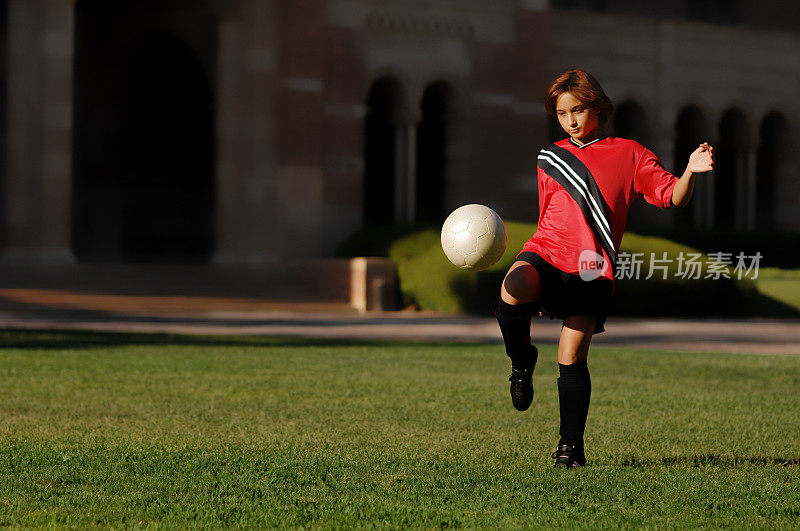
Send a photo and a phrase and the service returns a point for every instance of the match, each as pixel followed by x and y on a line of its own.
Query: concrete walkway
pixel 59 309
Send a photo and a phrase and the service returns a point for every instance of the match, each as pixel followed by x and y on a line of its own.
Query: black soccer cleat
pixel 569 456
pixel 522 383
pixel 521 389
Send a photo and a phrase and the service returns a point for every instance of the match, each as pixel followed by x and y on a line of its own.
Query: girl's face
pixel 577 119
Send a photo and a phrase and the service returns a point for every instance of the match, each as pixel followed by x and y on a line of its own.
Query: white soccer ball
pixel 474 237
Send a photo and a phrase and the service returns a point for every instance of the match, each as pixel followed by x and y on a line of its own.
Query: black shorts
pixel 565 294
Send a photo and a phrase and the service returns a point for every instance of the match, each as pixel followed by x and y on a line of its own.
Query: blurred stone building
pixel 257 131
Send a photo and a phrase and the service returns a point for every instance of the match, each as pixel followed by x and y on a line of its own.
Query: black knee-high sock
pixel 515 324
pixel 574 392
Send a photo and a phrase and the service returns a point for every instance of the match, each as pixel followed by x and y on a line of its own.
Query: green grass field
pixel 135 430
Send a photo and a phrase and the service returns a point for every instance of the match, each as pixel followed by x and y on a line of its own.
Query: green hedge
pixel 429 281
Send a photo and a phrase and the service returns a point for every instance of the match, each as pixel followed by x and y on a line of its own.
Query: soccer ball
pixel 474 237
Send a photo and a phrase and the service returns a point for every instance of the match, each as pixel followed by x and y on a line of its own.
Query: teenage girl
pixel 587 183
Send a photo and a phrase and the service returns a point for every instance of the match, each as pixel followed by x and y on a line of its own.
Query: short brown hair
pixel 585 87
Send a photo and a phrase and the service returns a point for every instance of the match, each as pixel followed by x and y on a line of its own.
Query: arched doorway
pixel 143 187
pixel 691 129
pixel 772 153
pixel 167 155
pixel 630 121
pixel 381 154
pixel 432 137
pixel 730 171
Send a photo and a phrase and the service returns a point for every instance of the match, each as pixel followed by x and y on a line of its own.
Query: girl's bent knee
pixel 521 284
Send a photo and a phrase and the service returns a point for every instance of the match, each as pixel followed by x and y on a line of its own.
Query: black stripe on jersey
pixel 578 181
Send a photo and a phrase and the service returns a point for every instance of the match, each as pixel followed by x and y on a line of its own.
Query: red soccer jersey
pixel 623 170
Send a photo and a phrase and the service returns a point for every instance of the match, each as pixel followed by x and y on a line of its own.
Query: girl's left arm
pixel 700 161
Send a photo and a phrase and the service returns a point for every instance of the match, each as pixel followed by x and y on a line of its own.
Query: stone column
pixel 300 119
pixel 708 213
pixel 229 168
pixel 744 219
pixel 343 128
pixel 269 113
pixel 750 190
pixel 405 193
pixel 411 172
pixel 787 185
pixel 39 130
pixel 248 228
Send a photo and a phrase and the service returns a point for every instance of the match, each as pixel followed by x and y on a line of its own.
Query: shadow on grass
pixel 710 460
pixel 90 339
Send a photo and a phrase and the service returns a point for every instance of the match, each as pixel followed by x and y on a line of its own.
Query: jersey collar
pixel 581 146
